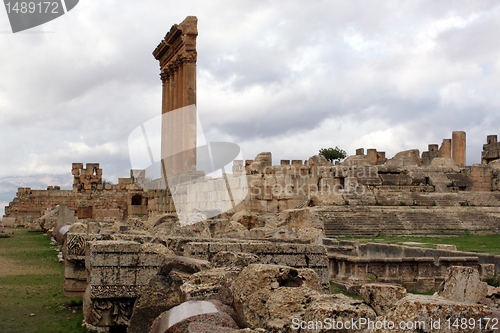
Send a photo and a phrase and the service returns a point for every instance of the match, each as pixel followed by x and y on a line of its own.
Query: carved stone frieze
pixel 113 312
pixel 114 291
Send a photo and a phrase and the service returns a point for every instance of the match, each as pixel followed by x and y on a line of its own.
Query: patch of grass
pixel 31 288
pixel 337 290
pixel 493 280
pixel 466 242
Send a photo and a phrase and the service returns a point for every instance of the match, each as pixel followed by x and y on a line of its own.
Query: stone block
pixel 149 259
pixel 217 247
pixel 292 260
pixel 382 297
pixel 144 274
pixel 463 284
pixel 114 246
pixel 74 271
pixel 317 260
pixel 424 310
pixel 258 296
pixel 446 247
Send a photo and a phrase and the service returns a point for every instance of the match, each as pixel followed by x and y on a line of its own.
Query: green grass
pixel 493 280
pixel 31 281
pixel 334 289
pixel 466 242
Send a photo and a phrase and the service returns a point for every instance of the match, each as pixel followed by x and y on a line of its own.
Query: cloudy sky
pixel 289 77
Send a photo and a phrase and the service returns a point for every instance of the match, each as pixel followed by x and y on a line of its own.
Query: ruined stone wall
pixel 491 150
pixel 95 204
pixel 358 182
pixel 416 274
pixel 418 269
pixel 159 202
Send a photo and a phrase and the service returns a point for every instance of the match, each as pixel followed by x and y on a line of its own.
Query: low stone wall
pixel 352 264
pixel 375 250
pixel 416 274
pixel 96 204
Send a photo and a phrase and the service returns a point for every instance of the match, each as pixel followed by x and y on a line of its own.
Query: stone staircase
pixel 408 220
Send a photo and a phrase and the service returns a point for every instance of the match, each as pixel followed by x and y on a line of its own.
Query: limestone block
pixel 114 246
pixel 9 222
pixel 74 271
pixel 233 259
pixel 293 260
pixel 446 247
pixel 317 260
pixel 425 310
pixel 184 264
pixel 162 292
pixel 195 248
pixel 205 284
pixel 258 284
pixel 233 247
pixel 338 308
pixel 382 297
pixel 144 274
pixel 463 284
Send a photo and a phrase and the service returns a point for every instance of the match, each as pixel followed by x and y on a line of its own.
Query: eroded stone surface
pixel 426 310
pixel 259 284
pixel 238 259
pixel 463 284
pixel 382 297
pixel 338 308
pixel 205 284
pixel 163 291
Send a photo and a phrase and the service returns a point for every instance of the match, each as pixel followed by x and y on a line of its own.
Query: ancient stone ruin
pixel 177 56
pixel 268 263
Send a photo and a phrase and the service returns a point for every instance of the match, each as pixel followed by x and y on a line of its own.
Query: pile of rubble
pixel 245 272
pixel 191 295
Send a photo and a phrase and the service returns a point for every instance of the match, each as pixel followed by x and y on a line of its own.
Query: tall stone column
pixel 458 147
pixel 177 56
